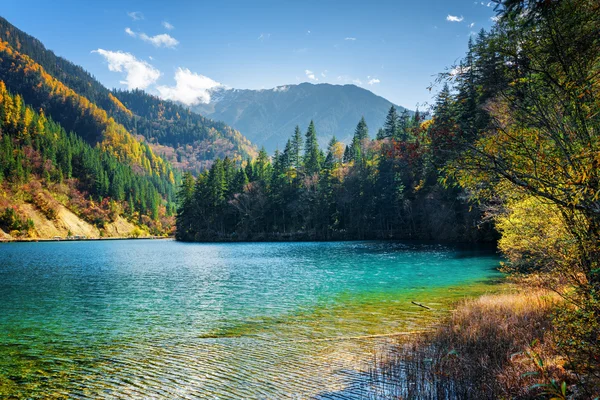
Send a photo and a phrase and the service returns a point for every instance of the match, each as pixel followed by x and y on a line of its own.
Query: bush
pixel 10 221
pixel 491 347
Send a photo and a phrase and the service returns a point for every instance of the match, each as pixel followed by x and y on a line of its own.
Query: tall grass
pixel 495 346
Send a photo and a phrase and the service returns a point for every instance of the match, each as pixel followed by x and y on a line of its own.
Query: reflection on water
pixel 171 320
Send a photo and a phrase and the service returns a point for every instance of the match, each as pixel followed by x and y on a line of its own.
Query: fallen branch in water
pixel 420 305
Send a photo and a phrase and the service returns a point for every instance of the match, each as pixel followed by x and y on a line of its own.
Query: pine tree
pixel 362 130
pixel 296 149
pixel 361 134
pixel 330 160
pixel 241 180
pixel 390 127
pixel 466 98
pixel 249 169
pixel 312 156
pixel 262 166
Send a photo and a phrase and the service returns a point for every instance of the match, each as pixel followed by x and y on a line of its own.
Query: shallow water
pixel 162 319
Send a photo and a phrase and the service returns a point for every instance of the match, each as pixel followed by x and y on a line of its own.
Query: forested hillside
pixel 48 174
pixel 76 113
pixel 92 165
pixel 188 140
pixel 204 139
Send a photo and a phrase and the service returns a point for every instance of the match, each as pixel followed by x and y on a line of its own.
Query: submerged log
pixel 420 305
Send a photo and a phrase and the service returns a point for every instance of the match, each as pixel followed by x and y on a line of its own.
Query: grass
pixel 495 346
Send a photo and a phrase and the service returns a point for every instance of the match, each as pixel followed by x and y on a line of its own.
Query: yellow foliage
pixel 28 119
pixel 119 105
pixel 116 139
pixel 338 151
pixel 426 124
pixel 534 234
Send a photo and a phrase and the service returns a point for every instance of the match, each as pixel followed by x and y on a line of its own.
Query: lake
pixel 163 319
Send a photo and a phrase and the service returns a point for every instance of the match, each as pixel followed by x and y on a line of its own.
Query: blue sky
pixel 178 49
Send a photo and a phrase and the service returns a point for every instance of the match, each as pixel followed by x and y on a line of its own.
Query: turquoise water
pixel 117 319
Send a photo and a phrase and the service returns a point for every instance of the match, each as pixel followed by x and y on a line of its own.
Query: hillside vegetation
pixel 76 159
pixel 55 184
pixel 187 139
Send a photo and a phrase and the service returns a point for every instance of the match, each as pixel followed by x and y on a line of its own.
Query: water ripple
pixel 165 320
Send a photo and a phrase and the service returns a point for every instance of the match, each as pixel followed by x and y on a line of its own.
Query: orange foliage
pixel 115 138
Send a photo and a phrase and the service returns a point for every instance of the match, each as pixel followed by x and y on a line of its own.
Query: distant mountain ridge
pixel 267 117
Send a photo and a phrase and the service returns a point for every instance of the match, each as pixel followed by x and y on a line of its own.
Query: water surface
pixel 162 319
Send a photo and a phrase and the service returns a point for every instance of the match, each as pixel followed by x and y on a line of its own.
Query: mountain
pixel 188 140
pixel 54 183
pixel 268 117
pixel 75 160
pixel 198 140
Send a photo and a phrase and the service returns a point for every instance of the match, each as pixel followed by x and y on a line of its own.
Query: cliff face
pixel 43 216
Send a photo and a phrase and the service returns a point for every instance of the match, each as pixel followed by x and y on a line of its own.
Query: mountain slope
pixel 206 138
pixel 55 184
pixel 188 140
pixel 268 117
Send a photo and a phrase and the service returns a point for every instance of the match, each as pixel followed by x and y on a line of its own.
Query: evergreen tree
pixel 361 134
pixel 362 130
pixel 312 155
pixel 262 167
pixel 390 126
pixel 295 154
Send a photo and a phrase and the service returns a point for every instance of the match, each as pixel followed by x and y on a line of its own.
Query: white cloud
pixel 151 58
pixel 373 81
pixel 349 79
pixel 324 74
pixel 472 24
pixel 167 25
pixel 264 36
pixel 135 15
pixel 308 32
pixel 454 18
pixel 190 88
pixel 139 74
pixel 163 40
pixel 310 75
pixel 350 38
pixel 495 18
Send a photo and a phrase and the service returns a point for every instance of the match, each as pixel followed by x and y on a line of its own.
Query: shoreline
pixel 30 240
pixel 490 344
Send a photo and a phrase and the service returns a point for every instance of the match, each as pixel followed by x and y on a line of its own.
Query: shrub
pixel 10 221
pixel 491 347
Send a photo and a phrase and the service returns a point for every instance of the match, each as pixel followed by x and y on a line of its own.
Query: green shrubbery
pixel 12 223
